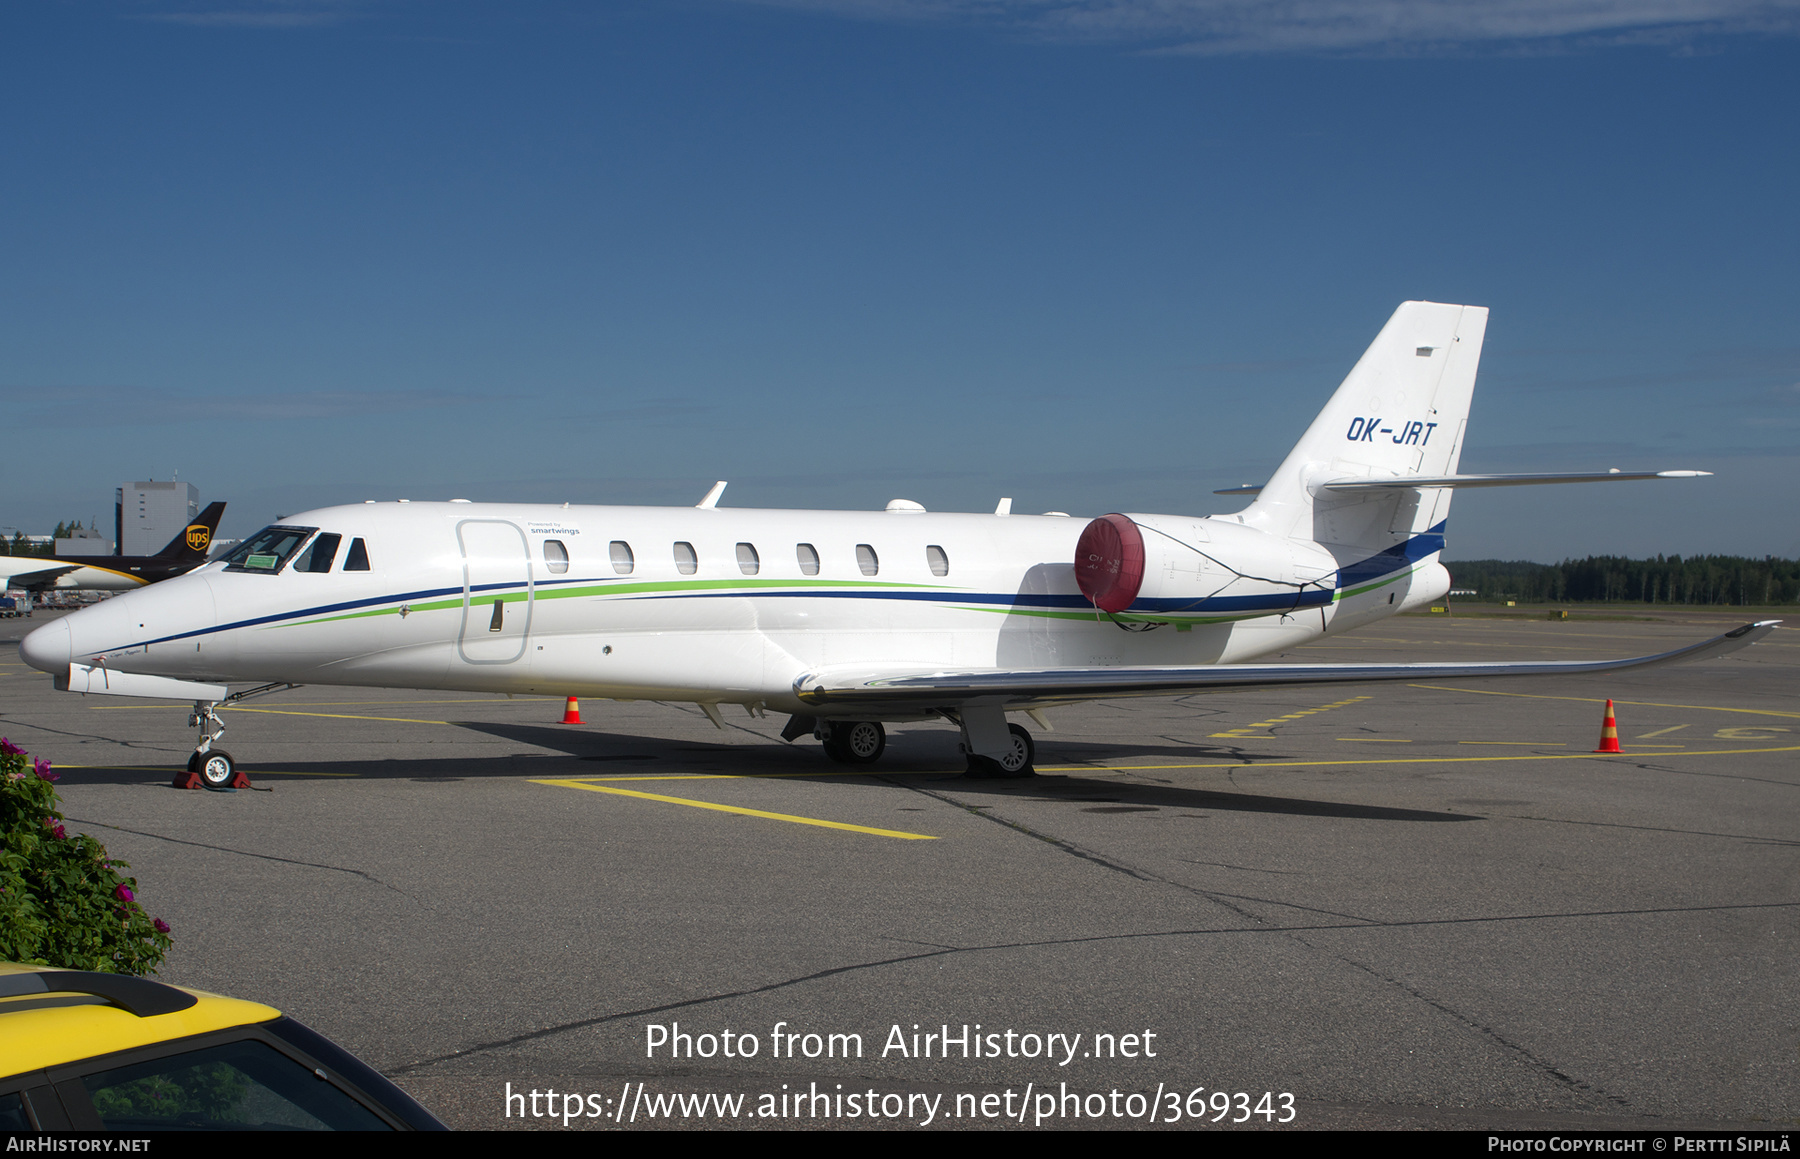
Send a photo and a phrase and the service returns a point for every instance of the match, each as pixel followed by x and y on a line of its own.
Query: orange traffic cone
pixel 1609 732
pixel 572 713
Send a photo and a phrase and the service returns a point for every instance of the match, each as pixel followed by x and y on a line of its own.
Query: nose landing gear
pixel 213 768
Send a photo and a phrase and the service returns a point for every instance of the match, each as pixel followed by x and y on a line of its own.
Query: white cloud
pixel 1244 27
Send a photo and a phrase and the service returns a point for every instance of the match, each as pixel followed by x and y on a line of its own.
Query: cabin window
pixel 319 554
pixel 808 556
pixel 268 549
pixel 940 563
pixel 867 560
pixel 748 561
pixel 686 562
pixel 357 558
pixel 556 556
pixel 621 556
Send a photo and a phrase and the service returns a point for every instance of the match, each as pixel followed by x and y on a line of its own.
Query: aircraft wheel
pixel 1018 759
pixel 856 742
pixel 215 768
pixel 1016 763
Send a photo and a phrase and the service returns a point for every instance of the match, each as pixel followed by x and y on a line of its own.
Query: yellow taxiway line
pixel 338 703
pixel 334 715
pixel 1602 700
pixel 738 809
pixel 1399 761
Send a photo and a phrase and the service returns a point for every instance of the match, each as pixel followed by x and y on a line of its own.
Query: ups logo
pixel 198 536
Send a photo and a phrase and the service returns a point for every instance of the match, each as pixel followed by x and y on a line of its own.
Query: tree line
pixel 17 545
pixel 1673 579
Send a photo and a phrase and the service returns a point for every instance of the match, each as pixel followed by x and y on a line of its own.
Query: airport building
pixel 85 541
pixel 148 515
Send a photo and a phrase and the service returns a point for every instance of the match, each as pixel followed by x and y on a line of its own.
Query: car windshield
pixel 236 1086
pixel 268 549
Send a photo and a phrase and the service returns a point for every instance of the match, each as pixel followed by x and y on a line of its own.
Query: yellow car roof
pixel 138 1012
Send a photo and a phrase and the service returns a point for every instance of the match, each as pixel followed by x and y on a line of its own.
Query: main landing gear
pixel 213 768
pixel 994 748
pixel 1015 762
pixel 853 742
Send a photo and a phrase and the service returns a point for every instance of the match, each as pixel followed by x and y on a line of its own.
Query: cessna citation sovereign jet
pixel 845 620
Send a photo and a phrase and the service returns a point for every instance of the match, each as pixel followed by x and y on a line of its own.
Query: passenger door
pixel 497 591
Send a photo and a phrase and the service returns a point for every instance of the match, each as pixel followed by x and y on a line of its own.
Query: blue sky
pixel 1095 256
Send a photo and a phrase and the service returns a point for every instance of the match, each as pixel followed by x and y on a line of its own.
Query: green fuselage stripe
pixel 751 587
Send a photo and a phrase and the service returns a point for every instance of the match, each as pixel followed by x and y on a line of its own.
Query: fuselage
pixel 712 604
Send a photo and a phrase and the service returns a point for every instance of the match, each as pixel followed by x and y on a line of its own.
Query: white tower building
pixel 149 514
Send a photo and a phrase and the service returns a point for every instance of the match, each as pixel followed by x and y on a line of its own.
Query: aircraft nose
pixel 48 649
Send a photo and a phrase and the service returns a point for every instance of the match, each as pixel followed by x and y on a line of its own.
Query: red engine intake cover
pixel 1109 562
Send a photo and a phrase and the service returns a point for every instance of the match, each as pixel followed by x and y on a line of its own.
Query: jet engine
pixel 1173 563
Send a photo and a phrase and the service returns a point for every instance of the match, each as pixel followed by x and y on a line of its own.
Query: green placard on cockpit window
pixel 265 562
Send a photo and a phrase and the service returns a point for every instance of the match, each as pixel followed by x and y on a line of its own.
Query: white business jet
pixel 845 620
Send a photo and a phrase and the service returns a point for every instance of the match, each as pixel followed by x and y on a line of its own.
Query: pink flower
pixel 162 927
pixel 42 768
pixel 123 892
pixel 10 749
pixel 58 833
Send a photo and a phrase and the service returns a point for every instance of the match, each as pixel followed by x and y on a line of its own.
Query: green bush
pixel 63 901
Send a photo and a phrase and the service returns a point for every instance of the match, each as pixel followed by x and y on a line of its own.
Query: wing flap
pixel 917 688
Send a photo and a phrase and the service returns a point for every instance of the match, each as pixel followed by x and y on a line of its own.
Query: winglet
pixel 712 497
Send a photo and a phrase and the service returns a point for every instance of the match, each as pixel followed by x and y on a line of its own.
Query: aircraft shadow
pixel 924 758
pixel 601 753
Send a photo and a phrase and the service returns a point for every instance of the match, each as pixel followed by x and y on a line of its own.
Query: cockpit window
pixel 268 549
pixel 357 558
pixel 319 553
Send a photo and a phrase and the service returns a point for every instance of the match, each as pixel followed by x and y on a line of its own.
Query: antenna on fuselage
pixel 712 497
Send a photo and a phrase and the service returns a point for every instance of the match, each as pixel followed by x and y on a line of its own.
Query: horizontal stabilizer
pixel 1410 481
pixel 862 688
pixel 91 678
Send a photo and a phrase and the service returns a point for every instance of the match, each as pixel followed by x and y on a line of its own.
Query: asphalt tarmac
pixel 1395 905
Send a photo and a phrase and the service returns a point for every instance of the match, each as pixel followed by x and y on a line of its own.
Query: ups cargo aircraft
pixel 115 573
pixel 845 620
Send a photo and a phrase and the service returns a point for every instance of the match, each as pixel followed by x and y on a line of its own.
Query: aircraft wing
pixel 39 580
pixel 916 688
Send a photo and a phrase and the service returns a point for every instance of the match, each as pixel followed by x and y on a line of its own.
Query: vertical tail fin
pixel 191 542
pixel 1401 411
